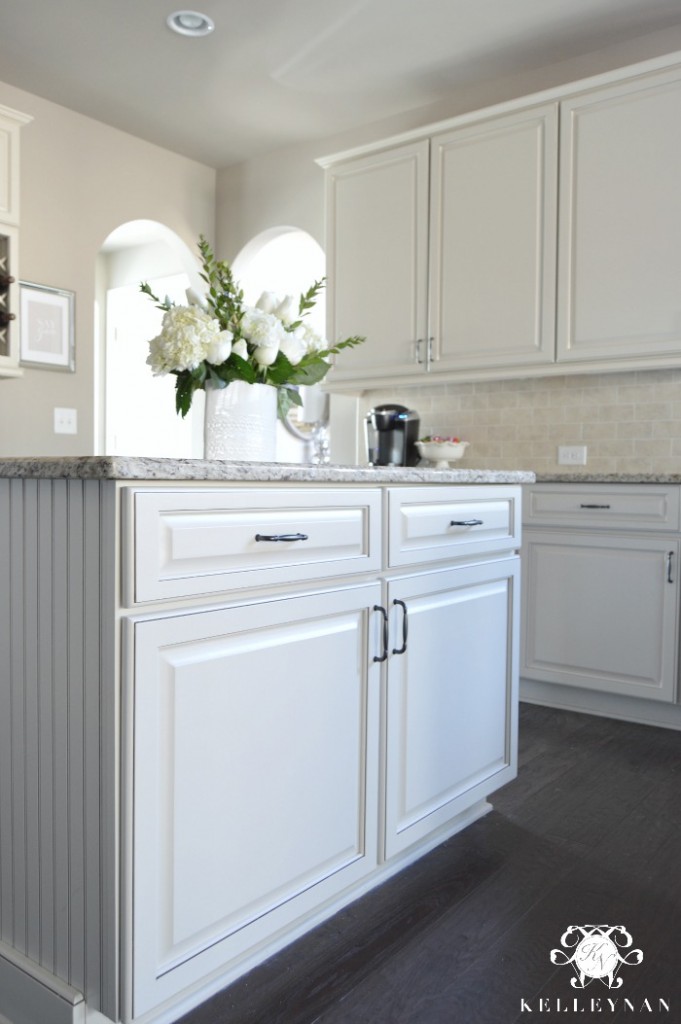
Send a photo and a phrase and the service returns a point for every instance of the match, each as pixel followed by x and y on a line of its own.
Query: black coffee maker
pixel 391 435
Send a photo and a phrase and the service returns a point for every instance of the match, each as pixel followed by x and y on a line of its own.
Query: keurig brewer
pixel 391 435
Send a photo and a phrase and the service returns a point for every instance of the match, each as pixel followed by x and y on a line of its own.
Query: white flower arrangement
pixel 219 339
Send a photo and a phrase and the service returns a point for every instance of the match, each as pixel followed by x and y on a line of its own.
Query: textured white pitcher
pixel 241 422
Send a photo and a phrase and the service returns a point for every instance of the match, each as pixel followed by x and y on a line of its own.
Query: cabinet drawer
pixel 429 524
pixel 623 506
pixel 189 542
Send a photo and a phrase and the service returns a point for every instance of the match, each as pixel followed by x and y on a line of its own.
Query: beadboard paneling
pixel 56 684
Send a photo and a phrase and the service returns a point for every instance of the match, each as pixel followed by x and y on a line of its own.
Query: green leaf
pixel 286 399
pixel 308 300
pixel 310 374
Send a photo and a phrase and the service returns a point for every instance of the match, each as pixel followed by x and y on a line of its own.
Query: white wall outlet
pixel 572 455
pixel 65 421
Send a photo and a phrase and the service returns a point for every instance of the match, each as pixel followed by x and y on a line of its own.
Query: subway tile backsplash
pixel 630 422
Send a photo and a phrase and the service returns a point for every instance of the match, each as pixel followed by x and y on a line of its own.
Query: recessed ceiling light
pixel 190 23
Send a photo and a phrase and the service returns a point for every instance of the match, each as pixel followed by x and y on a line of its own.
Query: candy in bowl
pixel 441 450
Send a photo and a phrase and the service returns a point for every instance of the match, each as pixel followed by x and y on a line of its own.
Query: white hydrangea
pixel 188 334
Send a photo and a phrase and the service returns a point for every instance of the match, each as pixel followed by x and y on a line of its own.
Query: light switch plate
pixel 65 421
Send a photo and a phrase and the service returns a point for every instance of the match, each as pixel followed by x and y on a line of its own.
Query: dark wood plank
pixel 590 832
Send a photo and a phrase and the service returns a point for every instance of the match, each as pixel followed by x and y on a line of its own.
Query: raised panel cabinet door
pixel 451 696
pixel 493 238
pixel 255 778
pixel 10 125
pixel 377 253
pixel 620 221
pixel 600 612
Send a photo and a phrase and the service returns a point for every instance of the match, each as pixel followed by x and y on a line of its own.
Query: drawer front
pixel 624 506
pixel 189 542
pixel 429 524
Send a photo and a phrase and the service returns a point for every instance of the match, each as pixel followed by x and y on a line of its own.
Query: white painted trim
pixel 31 995
pixel 560 92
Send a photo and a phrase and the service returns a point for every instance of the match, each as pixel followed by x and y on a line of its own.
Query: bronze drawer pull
pixel 594 506
pixel 405 627
pixel 384 656
pixel 281 536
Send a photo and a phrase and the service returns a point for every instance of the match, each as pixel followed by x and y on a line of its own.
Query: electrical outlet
pixel 65 421
pixel 572 455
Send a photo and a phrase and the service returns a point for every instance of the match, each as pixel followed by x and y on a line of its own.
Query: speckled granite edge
pixel 608 478
pixel 116 467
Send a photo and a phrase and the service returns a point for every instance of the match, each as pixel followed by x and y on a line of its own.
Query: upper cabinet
pixel 377 260
pixel 493 241
pixel 620 221
pixel 551 229
pixel 10 124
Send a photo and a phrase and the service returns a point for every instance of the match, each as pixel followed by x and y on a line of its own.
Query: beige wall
pixel 79 180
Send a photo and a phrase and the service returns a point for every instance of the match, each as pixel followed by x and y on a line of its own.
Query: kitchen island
pixel 233 698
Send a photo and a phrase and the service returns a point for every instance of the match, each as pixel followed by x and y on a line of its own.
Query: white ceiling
pixel 277 72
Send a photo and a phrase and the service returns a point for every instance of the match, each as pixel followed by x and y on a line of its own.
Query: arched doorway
pixel 137 415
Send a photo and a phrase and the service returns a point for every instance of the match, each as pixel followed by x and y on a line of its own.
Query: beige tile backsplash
pixel 630 422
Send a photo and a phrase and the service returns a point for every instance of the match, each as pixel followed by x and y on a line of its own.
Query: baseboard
pixel 603 705
pixel 31 995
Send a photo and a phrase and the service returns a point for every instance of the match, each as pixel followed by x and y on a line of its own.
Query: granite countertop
pixel 608 478
pixel 118 467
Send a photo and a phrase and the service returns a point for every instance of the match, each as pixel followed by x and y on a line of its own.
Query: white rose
pixel 265 355
pixel 267 302
pixel 194 299
pixel 287 310
pixel 240 348
pixel 294 348
pixel 220 349
pixel 313 341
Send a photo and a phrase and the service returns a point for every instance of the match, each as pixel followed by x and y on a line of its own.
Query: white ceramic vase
pixel 240 422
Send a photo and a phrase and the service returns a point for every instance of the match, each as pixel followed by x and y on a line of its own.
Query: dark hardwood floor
pixel 589 833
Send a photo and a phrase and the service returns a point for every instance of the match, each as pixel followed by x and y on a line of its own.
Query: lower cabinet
pixel 256 777
pixel 451 695
pixel 601 610
pixel 289 747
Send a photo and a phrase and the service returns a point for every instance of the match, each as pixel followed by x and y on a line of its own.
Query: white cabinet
pixel 601 589
pixel 620 221
pixel 377 253
pixel 213 742
pixel 451 697
pixel 554 238
pixel 492 241
pixel 341 707
pixel 10 124
pixel 256 777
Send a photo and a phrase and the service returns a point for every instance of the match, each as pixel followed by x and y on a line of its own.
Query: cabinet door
pixel 255 777
pixel 377 252
pixel 451 696
pixel 10 124
pixel 600 611
pixel 493 238
pixel 620 221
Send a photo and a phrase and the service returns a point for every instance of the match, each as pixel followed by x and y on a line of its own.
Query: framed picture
pixel 46 327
